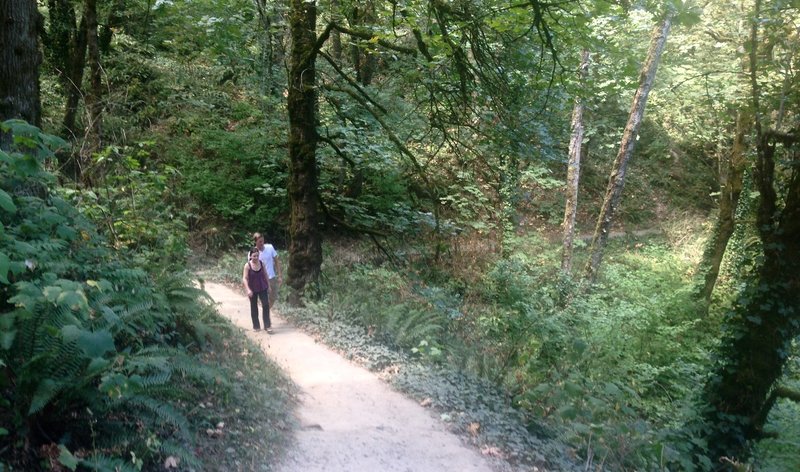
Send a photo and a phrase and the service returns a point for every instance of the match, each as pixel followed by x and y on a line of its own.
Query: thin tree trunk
pixel 94 104
pixel 364 63
pixel 574 170
pixel 75 68
pixel 19 63
pixel 616 181
pixel 59 37
pixel 731 182
pixel 336 35
pixel 269 53
pixel 114 20
pixel 305 247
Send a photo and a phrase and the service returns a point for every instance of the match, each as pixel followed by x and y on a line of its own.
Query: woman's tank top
pixel 256 279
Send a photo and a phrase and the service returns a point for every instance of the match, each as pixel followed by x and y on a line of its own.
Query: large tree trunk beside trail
pixel 305 247
pixel 616 181
pixel 19 63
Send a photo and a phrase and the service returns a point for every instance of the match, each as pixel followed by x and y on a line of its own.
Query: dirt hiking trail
pixel 350 421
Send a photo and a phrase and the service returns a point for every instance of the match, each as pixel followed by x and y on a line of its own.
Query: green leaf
pixel 573 389
pixel 6 203
pixel 66 232
pixel 45 392
pixel 66 458
pixel 7 338
pixel 74 299
pixel 92 343
pixel 3 432
pixel 4 264
pixel 97 365
pixel 52 293
pixel 568 412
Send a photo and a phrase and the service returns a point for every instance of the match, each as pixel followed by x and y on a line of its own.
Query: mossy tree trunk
pixel 731 181
pixel 19 63
pixel 766 319
pixel 305 247
pixel 616 181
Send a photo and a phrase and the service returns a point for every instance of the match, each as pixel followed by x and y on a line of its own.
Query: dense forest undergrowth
pixel 410 161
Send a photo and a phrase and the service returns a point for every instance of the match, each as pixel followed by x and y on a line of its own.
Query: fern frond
pixel 105 463
pixel 164 413
pixel 187 457
pixel 150 381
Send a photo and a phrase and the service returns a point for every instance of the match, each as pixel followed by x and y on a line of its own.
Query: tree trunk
pixel 574 170
pixel 271 53
pixel 94 106
pixel 305 247
pixel 766 320
pixel 59 36
pixel 75 67
pixel 19 63
pixel 616 181
pixel 114 20
pixel 364 62
pixel 731 181
pixel 336 35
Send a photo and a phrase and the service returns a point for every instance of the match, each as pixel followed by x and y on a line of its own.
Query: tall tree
pixel 305 246
pixel 574 170
pixel 19 62
pixel 731 179
pixel 616 181
pixel 94 105
pixel 67 50
pixel 766 319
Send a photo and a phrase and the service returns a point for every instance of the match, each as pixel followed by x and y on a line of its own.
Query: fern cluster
pixel 94 356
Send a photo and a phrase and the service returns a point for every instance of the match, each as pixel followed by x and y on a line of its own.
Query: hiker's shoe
pixel 269 331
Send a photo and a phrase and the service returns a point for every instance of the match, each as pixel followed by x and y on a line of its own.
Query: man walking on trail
pixel 269 256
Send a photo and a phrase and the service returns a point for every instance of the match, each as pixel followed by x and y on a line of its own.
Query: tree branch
pixel 352 82
pixel 367 35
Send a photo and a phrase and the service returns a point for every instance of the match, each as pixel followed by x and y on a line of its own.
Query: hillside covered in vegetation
pixel 584 214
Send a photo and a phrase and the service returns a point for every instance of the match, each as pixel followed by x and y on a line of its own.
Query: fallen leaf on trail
pixel 426 402
pixel 473 428
pixel 171 462
pixel 214 433
pixel 491 451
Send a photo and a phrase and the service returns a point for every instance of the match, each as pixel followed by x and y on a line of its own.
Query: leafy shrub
pixel 96 371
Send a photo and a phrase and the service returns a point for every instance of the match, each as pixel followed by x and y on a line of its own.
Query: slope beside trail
pixel 350 420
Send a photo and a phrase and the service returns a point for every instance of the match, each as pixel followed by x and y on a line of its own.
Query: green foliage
pixel 94 353
pixel 384 304
pixel 135 205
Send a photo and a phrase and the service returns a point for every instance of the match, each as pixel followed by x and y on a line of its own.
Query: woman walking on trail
pixel 256 284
